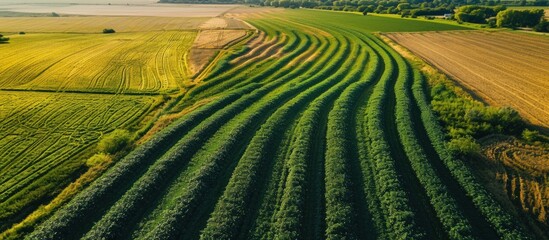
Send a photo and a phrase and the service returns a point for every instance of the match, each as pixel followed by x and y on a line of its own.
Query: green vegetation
pixel 477 14
pixel 108 30
pixel 372 23
pixel 517 18
pixel 3 39
pixel 466 119
pixel 46 138
pixel 114 141
pixel 322 131
pixel 530 135
pixel 61 114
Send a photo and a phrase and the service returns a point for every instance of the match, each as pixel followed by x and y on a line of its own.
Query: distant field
pixel 504 69
pixel 372 23
pixel 97 24
pixel 79 1
pixel 42 135
pixel 157 10
pixel 151 62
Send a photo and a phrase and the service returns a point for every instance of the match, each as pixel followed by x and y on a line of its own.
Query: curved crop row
pixel 115 222
pixel 229 212
pixel 505 225
pixel 290 214
pixel 457 226
pixel 399 216
pixel 319 137
pixel 212 167
pixel 93 200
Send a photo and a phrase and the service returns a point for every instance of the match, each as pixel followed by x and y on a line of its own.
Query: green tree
pixel 517 18
pixel 403 6
pixel 543 26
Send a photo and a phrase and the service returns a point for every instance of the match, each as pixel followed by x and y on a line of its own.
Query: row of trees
pixel 477 14
pixel 516 18
pixel 501 17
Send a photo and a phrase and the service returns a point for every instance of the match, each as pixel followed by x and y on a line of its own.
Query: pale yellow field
pixel 151 62
pixel 122 9
pixel 97 24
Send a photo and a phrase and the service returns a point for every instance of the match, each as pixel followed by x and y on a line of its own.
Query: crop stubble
pixel 504 69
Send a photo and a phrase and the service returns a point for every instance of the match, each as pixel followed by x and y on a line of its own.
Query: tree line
pixel 473 11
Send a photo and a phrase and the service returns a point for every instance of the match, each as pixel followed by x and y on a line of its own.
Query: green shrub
pixel 530 135
pixel 114 141
pixel 3 39
pixel 98 159
pixel 464 146
pixel 108 30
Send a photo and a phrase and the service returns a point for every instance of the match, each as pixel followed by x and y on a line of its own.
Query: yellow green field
pixel 45 138
pixel 148 62
pixel 93 24
pixel 64 85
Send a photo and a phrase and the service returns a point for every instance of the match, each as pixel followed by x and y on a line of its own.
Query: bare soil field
pixel 520 171
pixel 217 38
pixel 208 43
pixel 224 23
pixel 244 12
pixel 502 68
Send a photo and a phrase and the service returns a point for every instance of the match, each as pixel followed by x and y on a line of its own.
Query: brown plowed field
pixel 521 174
pixel 504 69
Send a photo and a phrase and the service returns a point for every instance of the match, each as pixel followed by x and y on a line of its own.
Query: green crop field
pixel 64 85
pixel 44 137
pixel 316 129
pixel 313 129
pixel 372 23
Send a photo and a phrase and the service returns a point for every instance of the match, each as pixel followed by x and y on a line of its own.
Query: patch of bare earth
pixel 517 173
pixel 504 69
pixel 214 35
